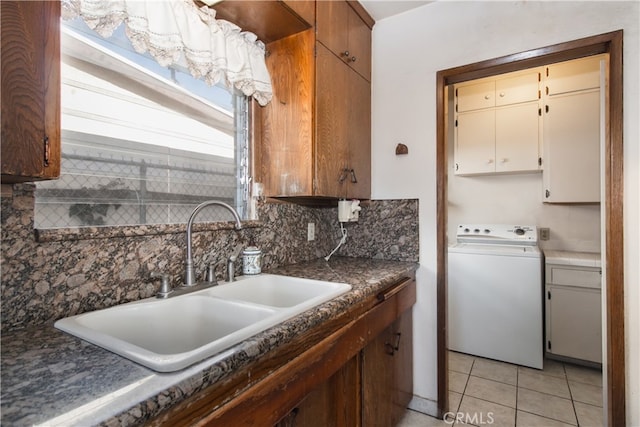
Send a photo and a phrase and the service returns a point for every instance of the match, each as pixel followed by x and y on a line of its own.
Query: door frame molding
pixel 610 43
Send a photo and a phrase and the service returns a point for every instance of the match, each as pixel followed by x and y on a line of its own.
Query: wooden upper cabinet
pixel 343 31
pixel 30 64
pixel 316 132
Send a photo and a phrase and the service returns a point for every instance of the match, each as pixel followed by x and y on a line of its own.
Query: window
pixel 141 144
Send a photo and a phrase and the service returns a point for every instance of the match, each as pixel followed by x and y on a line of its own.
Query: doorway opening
pixel 612 205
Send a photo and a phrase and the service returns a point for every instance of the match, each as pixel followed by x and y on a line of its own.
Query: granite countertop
pixel 52 378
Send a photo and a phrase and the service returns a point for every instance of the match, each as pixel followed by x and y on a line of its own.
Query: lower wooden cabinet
pixel 372 389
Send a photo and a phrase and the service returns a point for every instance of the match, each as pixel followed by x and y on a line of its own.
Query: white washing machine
pixel 495 293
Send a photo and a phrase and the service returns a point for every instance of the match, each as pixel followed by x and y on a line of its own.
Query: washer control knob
pixel 486 230
pixel 466 230
pixel 477 230
pixel 519 231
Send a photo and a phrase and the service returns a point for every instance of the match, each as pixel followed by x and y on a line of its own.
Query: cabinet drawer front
pixel 476 96
pixel 518 89
pixel 574 277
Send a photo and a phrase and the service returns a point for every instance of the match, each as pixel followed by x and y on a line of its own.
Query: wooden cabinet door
pixel 30 61
pixel 286 149
pixel 474 150
pixel 387 374
pixel 359 137
pixel 517 138
pixel 403 365
pixel 332 23
pixel 359 45
pixel 345 34
pixel 334 403
pixel 332 115
pixel 572 148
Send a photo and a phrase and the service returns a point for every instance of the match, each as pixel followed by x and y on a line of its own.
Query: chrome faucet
pixel 190 274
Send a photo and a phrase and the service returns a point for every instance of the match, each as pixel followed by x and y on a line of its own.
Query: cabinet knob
pixel 489 161
pixel 487 97
pixel 345 53
pixel 504 160
pixel 501 94
pixel 353 59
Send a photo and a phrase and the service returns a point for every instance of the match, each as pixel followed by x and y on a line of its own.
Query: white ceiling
pixel 380 9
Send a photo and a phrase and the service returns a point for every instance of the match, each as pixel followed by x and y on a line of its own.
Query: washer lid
pixel 500 234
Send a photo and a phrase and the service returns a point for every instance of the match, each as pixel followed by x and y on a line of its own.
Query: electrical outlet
pixel 544 233
pixel 311 231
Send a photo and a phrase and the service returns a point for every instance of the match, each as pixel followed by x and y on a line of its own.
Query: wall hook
pixel 401 149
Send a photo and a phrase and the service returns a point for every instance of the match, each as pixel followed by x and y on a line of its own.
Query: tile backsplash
pixel 50 274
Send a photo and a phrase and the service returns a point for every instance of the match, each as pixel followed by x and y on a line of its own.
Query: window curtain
pixel 180 32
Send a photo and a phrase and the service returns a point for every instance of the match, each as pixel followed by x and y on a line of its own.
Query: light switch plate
pixel 311 231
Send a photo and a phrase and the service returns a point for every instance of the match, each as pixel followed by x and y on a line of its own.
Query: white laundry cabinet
pixel 571 134
pixel 497 124
pixel 573 306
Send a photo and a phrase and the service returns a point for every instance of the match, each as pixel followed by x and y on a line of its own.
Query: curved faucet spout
pixel 189 273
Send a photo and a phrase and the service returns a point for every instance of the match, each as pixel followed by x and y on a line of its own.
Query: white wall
pixel 408 50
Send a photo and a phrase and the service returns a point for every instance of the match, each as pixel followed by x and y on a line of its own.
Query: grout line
pixel 573 403
pixel 515 422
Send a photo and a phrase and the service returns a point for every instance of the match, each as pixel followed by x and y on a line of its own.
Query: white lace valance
pixel 177 31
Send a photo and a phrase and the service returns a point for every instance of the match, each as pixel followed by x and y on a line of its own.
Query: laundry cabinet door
pixel 574 327
pixel 474 150
pixel 517 138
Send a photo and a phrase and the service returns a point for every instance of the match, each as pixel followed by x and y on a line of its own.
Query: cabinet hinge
pixel 47 150
pixel 456 166
pixel 539 94
pixel 548 294
pixel 539 76
pixel 546 90
pixel 547 71
pixel 456 92
pixel 456 123
pixel 547 194
pixel 549 345
pixel 539 161
pixel 546 109
pixel 540 112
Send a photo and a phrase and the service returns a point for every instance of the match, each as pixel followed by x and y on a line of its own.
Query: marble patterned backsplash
pixel 50 274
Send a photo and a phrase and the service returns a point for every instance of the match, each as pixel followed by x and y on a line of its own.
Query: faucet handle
pixel 165 284
pixel 231 269
pixel 211 274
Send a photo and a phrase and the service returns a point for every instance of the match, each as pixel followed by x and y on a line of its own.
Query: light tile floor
pixel 491 393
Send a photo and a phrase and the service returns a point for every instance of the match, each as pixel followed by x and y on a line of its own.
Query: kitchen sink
pixel 170 334
pixel 278 291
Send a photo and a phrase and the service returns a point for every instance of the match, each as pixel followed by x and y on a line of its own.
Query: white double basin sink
pixel 170 334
